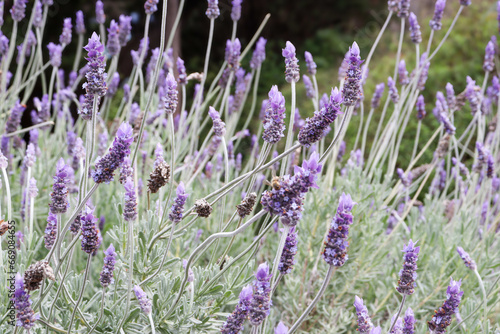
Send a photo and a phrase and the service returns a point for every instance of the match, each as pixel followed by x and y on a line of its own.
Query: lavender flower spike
pixel 234 323
pixel 310 92
pixel 311 65
pixel 435 23
pixel 408 275
pixel 404 8
pixel 233 51
pixel 91 237
pixel 236 10
pixel 50 231
pixel 377 95
pixel 125 29
pixel 442 316
pixel 409 322
pixel 99 12
pixel 55 54
pixel 274 125
pixel 144 302
pixel 420 108
pixel 219 126
pixel 260 304
pixel 18 10
pixel 59 196
pixel 170 99
pixel 335 252
pixel 178 207
pixel 25 315
pixel 352 84
pixel 489 57
pixel 393 90
pixel 398 326
pixel 365 324
pixel 259 54
pixel 213 11
pixel 150 6
pixel 106 166
pixel 403 73
pixel 287 259
pixel 292 72
pixel 96 77
pixel 109 266
pixel 469 262
pixel 415 33
pixel 281 329
pixel 113 44
pixel 129 210
pixel 465 2
pixel 80 24
pixel 65 37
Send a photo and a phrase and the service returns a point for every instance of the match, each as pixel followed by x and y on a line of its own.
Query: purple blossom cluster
pixel 178 207
pixel 442 316
pixel 408 274
pixel 235 321
pixel 273 123
pixel 260 304
pixel 352 85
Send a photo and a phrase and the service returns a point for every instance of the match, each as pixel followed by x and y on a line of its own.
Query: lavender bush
pixel 200 232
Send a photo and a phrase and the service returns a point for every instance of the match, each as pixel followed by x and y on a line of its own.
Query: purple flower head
pixel 259 54
pixel 465 2
pixel 25 315
pixel 408 275
pixel 150 6
pixel 181 70
pixel 377 95
pixel 59 196
pixel 177 210
pixel 393 90
pixel 142 298
pixel 65 37
pixel 130 199
pixel 421 107
pixel 274 125
pixel 398 326
pixel 18 10
pixel 219 126
pixel 212 11
pixel 435 23
pixel 260 304
pixel 415 33
pixel 19 239
pixel 335 251
pixel 50 231
pixel 99 12
pixel 490 166
pixel 108 267
pixel 442 316
pixel 292 72
pixel 469 262
pixel 365 324
pixel 448 126
pixel 113 85
pixel 125 29
pixel 236 10
pixel 405 178
pixel 96 77
pixel 393 5
pixel 105 167
pixel 113 45
pixel 30 157
pixel 489 57
pixel 281 329
pixel 235 321
pixel 425 71
pixel 32 189
pixel 403 73
pixel 287 259
pixel 310 92
pixel 91 237
pixel 450 96
pixel 233 50
pixel 352 83
pixel 37 18
pixel 409 322
pixel 14 119
pixel 311 65
pixel 170 99
pixel 315 127
pixel 55 53
pixel 404 8
pixel 80 24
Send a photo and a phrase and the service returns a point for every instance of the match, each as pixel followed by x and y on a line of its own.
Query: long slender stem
pixel 80 297
pixel 397 314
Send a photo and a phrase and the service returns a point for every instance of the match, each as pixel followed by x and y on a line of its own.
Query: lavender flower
pixel 18 10
pixel 65 37
pixel 19 239
pixel 409 322
pixel 37 17
pixel 408 275
pixel 403 73
pixel 150 6
pixel 415 33
pixel 420 108
pixel 233 50
pixel 99 12
pixel 335 252
pixel 170 99
pixel 59 196
pixel 377 95
pixel 490 166
pixel 281 329
pixel 96 77
pixel 404 8
pixel 469 262
pixel 14 119
pixel 292 72
pixel 260 304
pixel 91 237
pixel 178 207
pixel 314 127
pixel 50 231
pixel 219 126
pixel 365 324
pixel 213 11
pixel 442 316
pixel 393 5
pixel 425 71
pixel 398 326
pixel 113 85
pixel 181 70
pixel 108 267
pixel 113 45
pixel 435 23
pixel 234 322
pixel 405 179
pixel 236 10
pixel 105 167
pixel 274 126
pixel 259 54
pixel 32 188
pixel 310 92
pixel 473 95
pixel 465 2
pixel 352 84
pixel 125 29
pixel 393 90
pixel 311 65
pixel 448 126
pixel 489 57
pixel 130 199
pixel 25 315
pixel 287 259
pixel 80 24
pixel 144 302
